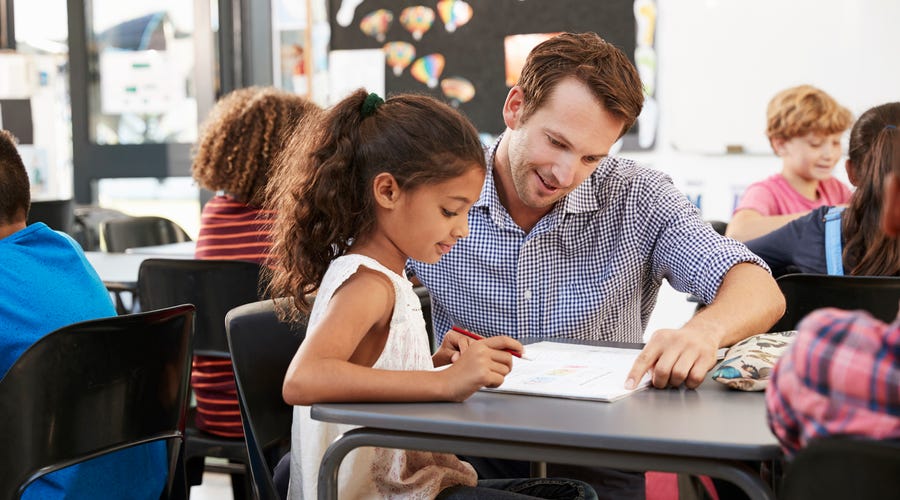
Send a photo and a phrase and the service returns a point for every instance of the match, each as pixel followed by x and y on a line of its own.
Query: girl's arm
pixel 334 361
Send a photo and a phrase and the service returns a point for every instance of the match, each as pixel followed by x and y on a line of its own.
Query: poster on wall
pixel 469 52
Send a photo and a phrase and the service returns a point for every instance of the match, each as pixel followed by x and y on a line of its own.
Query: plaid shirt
pixel 590 269
pixel 841 376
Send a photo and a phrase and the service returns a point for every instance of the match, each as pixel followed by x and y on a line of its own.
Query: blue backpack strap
pixel 834 262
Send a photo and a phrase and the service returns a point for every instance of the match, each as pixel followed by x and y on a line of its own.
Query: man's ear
pixel 513 107
pixel 890 212
pixel 385 190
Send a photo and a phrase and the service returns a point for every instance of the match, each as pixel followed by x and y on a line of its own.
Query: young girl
pixel 865 250
pixel 238 144
pixel 382 182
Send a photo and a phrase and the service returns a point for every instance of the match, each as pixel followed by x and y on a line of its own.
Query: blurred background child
pixel 804 126
pixel 865 249
pixel 239 141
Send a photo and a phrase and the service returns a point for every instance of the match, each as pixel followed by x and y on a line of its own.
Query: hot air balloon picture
pixel 458 90
pixel 454 13
pixel 377 23
pixel 417 20
pixel 428 69
pixel 398 55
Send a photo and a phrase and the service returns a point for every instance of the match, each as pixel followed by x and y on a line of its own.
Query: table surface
pixel 711 422
pixel 119 271
pixel 184 249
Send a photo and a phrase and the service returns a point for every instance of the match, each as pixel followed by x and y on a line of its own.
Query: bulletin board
pixel 471 40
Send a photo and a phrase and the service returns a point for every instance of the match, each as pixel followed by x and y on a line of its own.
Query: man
pixel 46 283
pixel 569 243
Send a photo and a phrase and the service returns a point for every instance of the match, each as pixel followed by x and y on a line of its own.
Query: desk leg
pixel 731 471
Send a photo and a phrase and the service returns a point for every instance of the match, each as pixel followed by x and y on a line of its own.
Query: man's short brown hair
pixel 598 64
pixel 797 111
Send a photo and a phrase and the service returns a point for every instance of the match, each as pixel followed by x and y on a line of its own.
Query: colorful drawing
pixel 346 11
pixel 399 55
pixel 516 49
pixel 454 13
pixel 377 23
pixel 417 20
pixel 645 15
pixel 428 69
pixel 458 90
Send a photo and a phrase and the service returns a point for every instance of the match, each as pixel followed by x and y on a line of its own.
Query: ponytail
pixel 322 190
pixel 868 251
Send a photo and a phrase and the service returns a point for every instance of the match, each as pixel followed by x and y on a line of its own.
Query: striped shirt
pixel 590 269
pixel 229 230
pixel 841 376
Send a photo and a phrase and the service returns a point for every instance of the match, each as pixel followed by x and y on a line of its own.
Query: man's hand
pixel 675 357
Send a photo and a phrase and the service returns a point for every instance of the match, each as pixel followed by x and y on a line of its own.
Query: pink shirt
pixel 775 196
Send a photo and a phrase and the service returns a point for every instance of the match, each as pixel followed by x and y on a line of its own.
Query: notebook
pixel 573 371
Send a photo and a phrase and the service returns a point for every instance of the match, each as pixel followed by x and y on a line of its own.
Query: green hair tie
pixel 371 104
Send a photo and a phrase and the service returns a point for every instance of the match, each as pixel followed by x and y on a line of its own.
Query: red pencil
pixel 475 336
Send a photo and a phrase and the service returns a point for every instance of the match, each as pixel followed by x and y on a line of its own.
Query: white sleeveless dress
pixel 369 473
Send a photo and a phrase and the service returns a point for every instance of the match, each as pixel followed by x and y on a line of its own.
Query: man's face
pixel 559 145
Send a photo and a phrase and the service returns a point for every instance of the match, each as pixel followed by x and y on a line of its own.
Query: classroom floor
pixel 214 487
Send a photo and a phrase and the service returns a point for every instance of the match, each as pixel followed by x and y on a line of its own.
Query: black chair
pixel 805 293
pixel 118 235
pixel 58 214
pixel 718 226
pixel 425 300
pixel 261 350
pixel 844 467
pixel 214 287
pixel 93 388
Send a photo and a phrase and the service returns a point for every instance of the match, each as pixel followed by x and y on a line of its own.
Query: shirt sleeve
pixel 758 197
pixel 687 251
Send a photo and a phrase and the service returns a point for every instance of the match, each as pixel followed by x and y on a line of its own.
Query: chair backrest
pixel 843 467
pixel 804 293
pixel 718 226
pixel 425 300
pixel 58 214
pixel 213 286
pixel 118 235
pixel 261 350
pixel 96 387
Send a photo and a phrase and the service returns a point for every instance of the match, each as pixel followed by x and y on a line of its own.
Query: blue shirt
pixel 590 269
pixel 47 283
pixel 796 247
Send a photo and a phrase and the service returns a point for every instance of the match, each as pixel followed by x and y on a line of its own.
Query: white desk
pixel 705 431
pixel 119 272
pixel 184 249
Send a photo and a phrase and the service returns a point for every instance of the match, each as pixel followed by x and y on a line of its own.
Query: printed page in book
pixel 572 371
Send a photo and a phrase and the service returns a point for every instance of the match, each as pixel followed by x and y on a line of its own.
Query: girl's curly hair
pixel 322 190
pixel 241 137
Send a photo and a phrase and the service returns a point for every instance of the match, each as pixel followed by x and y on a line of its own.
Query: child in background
pixel 804 126
pixel 238 144
pixel 840 375
pixel 380 183
pixel 865 250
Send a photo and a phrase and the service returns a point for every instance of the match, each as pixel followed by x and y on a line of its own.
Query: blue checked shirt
pixel 590 269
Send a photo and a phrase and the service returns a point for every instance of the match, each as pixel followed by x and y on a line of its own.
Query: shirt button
pixel 527 294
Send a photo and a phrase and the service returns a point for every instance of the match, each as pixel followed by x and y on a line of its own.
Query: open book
pixel 573 371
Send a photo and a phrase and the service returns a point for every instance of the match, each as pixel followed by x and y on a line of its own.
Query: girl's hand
pixel 452 346
pixel 481 363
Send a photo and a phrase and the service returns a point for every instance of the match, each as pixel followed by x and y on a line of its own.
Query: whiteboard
pixel 721 61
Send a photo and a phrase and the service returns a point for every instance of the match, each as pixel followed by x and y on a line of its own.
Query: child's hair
pixel 797 111
pixel 241 137
pixel 873 154
pixel 322 190
pixel 593 61
pixel 15 190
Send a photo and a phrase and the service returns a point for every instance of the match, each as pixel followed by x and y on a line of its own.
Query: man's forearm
pixel 748 302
